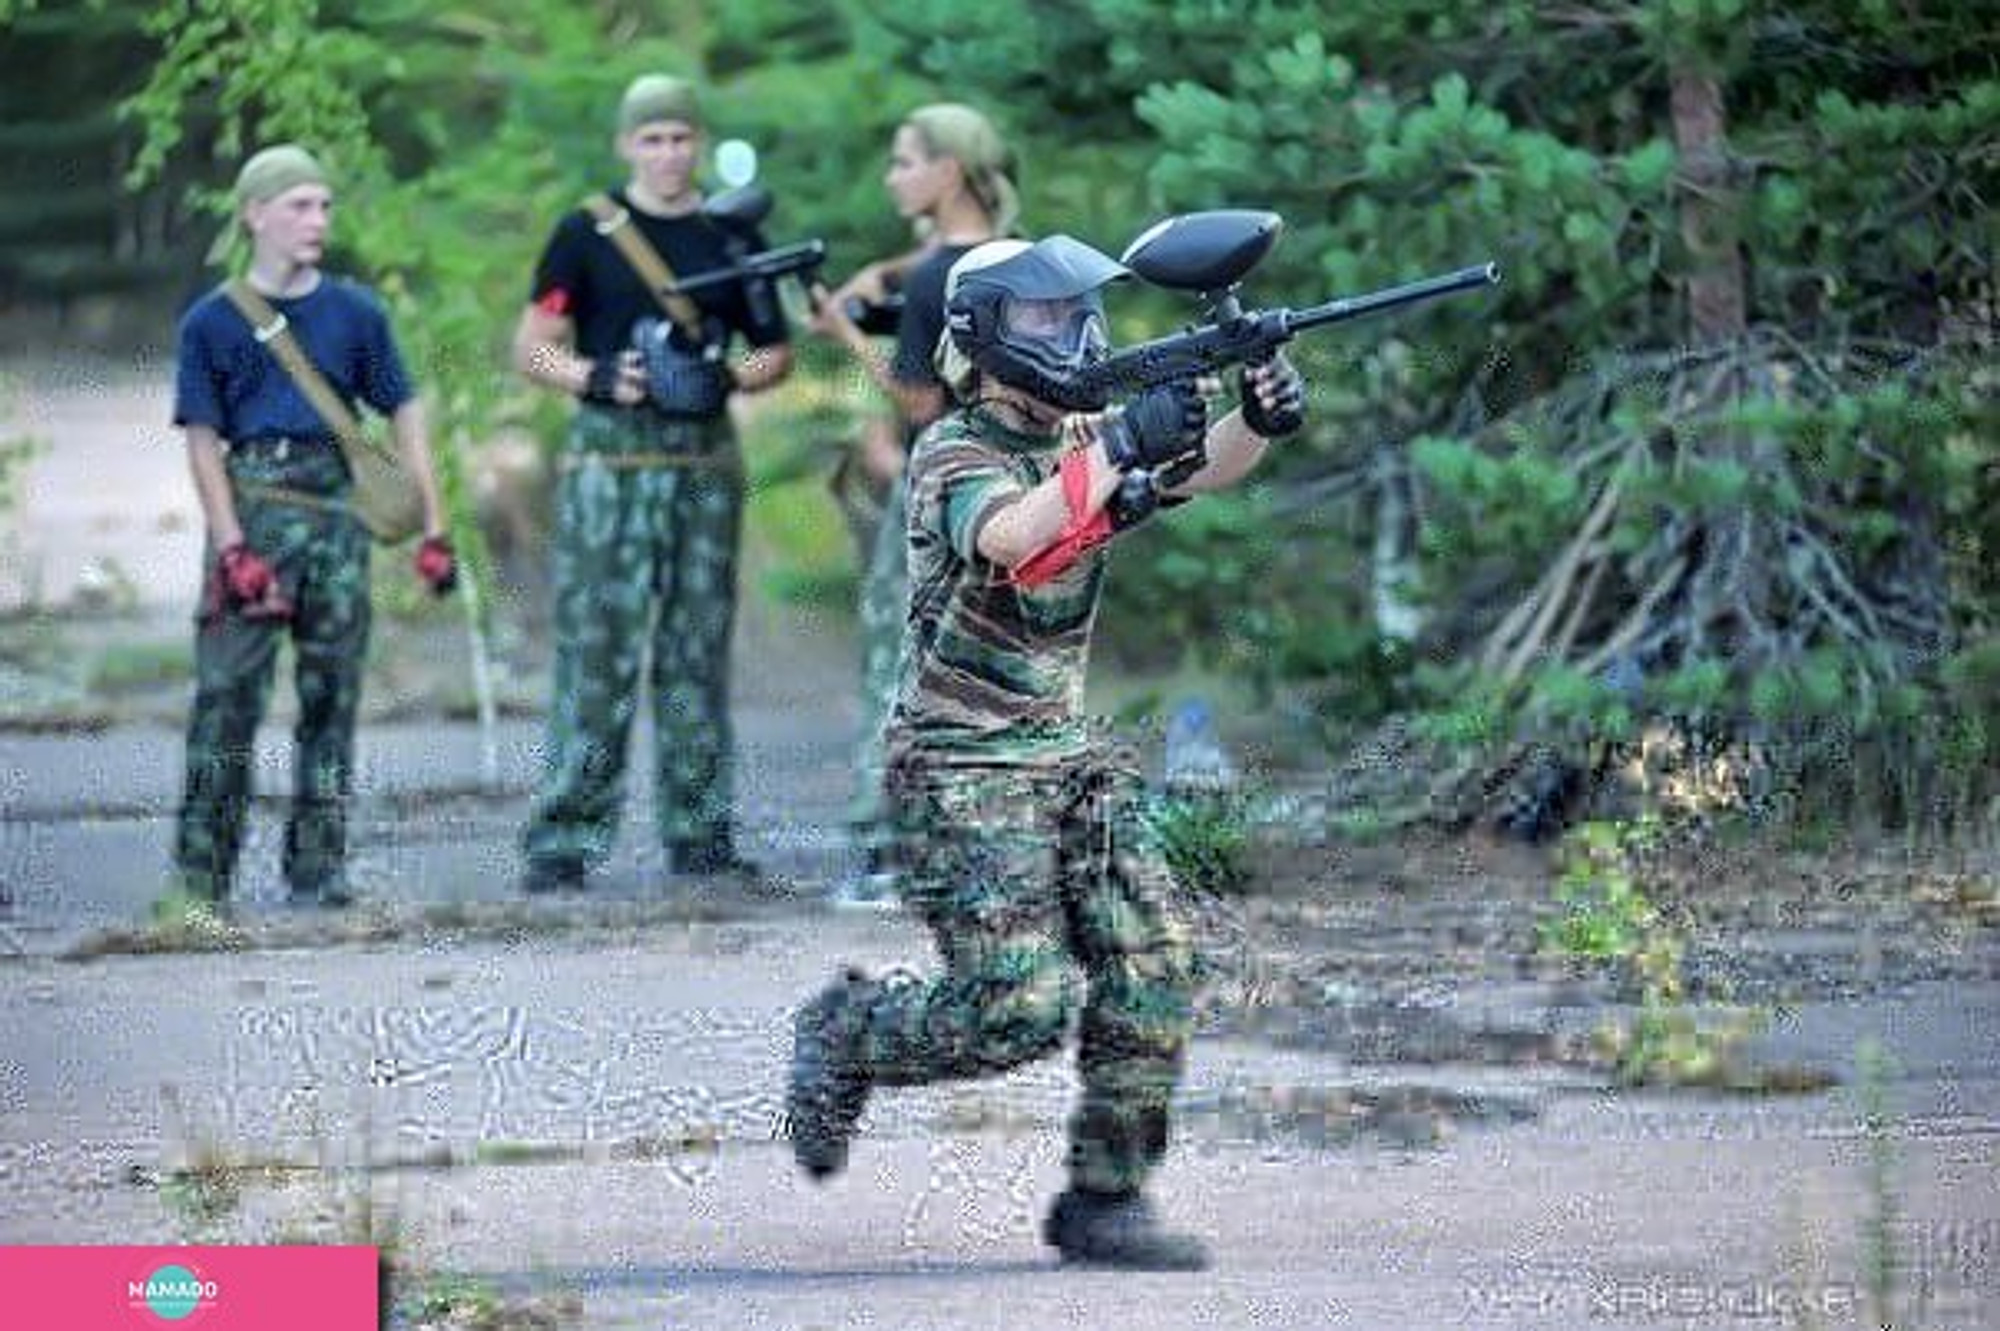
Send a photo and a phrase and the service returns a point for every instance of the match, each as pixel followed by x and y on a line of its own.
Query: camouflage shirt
pixel 992 673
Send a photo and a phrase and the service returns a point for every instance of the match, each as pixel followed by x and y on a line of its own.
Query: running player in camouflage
pixel 284 555
pixel 1020 837
pixel 649 503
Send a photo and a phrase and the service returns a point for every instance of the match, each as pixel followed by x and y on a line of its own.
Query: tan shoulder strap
pixel 614 222
pixel 273 330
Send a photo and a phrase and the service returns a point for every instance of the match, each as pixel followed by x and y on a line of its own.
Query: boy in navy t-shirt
pixel 284 552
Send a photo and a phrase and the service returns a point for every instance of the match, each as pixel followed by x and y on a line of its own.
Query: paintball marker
pixel 749 205
pixel 690 382
pixel 876 318
pixel 1208 253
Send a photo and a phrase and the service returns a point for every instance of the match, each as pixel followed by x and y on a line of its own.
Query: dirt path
pixel 106 514
pixel 1388 1118
pixel 574 1110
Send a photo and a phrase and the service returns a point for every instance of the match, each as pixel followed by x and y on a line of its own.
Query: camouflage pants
pixel 1022 876
pixel 321 558
pixel 647 521
pixel 885 602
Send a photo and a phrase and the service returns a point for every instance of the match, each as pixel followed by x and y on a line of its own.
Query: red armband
pixel 1080 535
pixel 554 301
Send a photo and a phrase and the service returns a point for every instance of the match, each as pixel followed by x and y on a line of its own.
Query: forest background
pixel 1721 448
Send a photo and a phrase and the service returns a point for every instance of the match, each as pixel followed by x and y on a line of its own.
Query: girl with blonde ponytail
pixel 952 175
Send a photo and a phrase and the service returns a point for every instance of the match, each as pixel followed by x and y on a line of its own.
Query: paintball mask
pixel 1031 316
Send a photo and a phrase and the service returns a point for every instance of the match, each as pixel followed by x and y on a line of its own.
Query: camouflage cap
pixel 269 172
pixel 654 97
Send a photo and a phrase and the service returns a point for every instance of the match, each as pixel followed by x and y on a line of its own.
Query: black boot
pixel 553 873
pixel 1118 1230
pixel 714 857
pixel 829 1086
pixel 329 893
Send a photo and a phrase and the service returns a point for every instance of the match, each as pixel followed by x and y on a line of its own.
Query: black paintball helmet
pixel 1031 316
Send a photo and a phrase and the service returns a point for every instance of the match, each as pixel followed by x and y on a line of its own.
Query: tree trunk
pixel 1733 590
pixel 1711 226
pixel 1393 564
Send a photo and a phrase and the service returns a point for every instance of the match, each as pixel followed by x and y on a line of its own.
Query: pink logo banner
pixel 210 1288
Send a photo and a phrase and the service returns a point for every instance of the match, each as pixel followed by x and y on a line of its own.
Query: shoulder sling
pixel 385 497
pixel 614 223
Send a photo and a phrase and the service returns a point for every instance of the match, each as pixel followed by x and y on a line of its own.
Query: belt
pixel 646 414
pixel 285 494
pixel 278 446
pixel 282 448
pixel 646 461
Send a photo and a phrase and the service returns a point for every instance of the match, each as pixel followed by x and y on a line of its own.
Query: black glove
pixel 1290 395
pixel 1156 427
pixel 1138 497
pixel 602 385
pixel 1135 500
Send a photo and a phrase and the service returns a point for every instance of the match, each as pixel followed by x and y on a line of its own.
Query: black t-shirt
pixel 584 276
pixel 922 323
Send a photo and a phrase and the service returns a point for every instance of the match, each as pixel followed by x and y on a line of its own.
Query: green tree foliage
pixel 68 225
pixel 1731 414
pixel 1733 406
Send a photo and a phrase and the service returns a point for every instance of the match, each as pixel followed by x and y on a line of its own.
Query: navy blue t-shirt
pixel 228 380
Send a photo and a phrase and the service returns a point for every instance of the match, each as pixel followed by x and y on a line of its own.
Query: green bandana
pixel 264 177
pixel 658 97
pixel 275 170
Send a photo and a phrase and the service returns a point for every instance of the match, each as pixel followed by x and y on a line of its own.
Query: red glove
pixel 249 583
pixel 436 564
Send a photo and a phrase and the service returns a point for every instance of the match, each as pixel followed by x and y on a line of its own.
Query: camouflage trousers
pixel 885 604
pixel 1024 877
pixel 648 514
pixel 321 558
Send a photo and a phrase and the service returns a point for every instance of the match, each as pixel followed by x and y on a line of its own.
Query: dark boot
pixel 1118 1230
pixel 553 873
pixel 331 893
pixel 829 1087
pixel 192 901
pixel 211 889
pixel 711 856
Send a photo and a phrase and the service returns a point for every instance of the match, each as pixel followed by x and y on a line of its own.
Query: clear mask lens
pixel 1071 329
